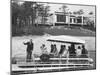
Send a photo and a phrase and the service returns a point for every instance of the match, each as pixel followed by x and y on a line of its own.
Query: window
pixel 79 19
pixel 61 18
pixel 70 20
pixel 74 20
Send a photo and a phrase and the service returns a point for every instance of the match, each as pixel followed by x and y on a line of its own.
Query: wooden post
pixel 68 20
pixel 67 61
pixel 75 20
pixel 54 19
pixel 37 16
pixel 82 21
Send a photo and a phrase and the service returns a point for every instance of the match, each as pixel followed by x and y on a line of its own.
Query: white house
pixel 61 18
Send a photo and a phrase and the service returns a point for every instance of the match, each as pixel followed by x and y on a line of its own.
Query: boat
pixel 52 61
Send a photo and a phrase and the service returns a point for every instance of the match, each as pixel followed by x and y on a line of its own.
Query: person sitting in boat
pixel 62 50
pixel 65 53
pixel 54 50
pixel 78 51
pixel 44 49
pixel 84 52
pixel 72 51
pixel 45 56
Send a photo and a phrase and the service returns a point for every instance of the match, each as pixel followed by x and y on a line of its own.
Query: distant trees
pixel 24 15
pixel 28 12
pixel 43 12
pixel 91 13
pixel 65 9
pixel 79 12
pixel 91 22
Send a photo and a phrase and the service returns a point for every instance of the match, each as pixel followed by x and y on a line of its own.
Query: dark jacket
pixel 29 46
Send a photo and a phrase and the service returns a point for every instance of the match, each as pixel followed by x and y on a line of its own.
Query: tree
pixel 79 12
pixel 64 9
pixel 25 14
pixel 42 11
pixel 91 13
pixel 29 12
pixel 15 12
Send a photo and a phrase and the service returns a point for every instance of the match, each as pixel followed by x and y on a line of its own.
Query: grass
pixel 29 30
pixel 57 30
pixel 69 31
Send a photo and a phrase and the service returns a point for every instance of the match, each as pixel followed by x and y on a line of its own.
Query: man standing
pixel 29 50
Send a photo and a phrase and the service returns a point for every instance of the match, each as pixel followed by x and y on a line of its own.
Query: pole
pixel 37 15
pixel 68 19
pixel 82 21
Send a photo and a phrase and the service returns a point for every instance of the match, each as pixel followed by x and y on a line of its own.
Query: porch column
pixel 54 19
pixel 82 21
pixel 68 20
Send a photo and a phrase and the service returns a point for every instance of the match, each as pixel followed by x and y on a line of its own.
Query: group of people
pixel 81 51
pixel 71 51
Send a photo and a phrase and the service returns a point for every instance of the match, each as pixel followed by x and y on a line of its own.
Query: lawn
pixel 69 31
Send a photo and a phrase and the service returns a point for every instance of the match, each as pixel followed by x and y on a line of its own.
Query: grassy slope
pixel 57 30
pixel 67 31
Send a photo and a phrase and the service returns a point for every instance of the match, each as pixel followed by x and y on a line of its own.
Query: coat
pixel 29 46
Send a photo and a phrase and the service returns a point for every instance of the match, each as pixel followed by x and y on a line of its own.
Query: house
pixel 61 18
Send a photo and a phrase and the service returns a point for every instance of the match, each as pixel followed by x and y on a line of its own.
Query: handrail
pixel 67 59
pixel 55 64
